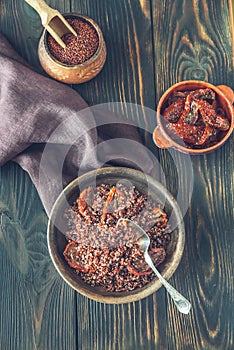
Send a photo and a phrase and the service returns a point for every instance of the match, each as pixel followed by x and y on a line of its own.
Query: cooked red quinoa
pixel 104 254
pixel 78 49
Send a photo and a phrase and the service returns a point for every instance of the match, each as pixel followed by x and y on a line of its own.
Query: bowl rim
pixel 171 141
pixel 138 293
pixel 92 58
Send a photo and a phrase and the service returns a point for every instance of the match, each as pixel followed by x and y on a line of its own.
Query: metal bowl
pixel 111 175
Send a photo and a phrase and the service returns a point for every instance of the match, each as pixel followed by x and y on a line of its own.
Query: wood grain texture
pixel 35 303
pixel 195 37
pixel 150 45
pixel 128 76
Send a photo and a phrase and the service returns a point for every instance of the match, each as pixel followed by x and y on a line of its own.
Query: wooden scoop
pixel 52 20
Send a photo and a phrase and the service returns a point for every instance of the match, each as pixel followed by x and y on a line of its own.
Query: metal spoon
pixel 143 240
pixel 52 20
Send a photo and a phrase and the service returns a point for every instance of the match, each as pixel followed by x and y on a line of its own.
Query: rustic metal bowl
pixel 225 98
pixel 57 226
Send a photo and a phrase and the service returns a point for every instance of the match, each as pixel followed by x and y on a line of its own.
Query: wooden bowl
pixel 73 74
pixel 225 98
pixel 145 184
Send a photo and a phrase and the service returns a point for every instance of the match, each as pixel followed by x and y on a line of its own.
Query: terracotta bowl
pixel 73 74
pixel 57 242
pixel 225 98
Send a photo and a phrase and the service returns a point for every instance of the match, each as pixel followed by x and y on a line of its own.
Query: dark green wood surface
pixel 150 45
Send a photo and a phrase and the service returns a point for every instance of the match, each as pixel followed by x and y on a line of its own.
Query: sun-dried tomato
pixel 109 199
pixel 85 198
pixel 195 117
pixel 158 255
pixel 78 258
pixel 137 265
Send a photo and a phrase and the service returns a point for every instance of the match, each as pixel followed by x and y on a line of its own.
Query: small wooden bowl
pixel 225 98
pixel 145 184
pixel 73 74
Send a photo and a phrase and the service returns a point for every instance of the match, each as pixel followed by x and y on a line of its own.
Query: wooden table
pixel 151 44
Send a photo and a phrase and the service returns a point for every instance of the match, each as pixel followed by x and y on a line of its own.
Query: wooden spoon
pixel 52 20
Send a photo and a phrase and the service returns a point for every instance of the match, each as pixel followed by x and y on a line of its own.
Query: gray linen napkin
pixel 48 129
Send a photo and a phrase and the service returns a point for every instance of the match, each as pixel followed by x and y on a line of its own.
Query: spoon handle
pixel 182 304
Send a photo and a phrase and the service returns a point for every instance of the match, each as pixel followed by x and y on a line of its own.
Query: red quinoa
pixel 106 255
pixel 78 49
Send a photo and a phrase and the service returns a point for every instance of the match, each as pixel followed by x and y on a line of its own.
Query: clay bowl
pixel 225 98
pixel 73 74
pixel 145 184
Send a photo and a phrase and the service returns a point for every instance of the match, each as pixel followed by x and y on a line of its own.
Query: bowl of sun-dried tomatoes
pixel 99 258
pixel 194 117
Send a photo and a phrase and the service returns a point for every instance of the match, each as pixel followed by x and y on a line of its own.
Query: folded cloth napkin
pixel 48 129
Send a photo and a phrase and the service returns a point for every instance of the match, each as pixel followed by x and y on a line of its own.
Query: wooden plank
pixel 128 76
pixel 129 326
pixel 22 26
pixel 40 311
pixel 50 320
pixel 195 39
pixel 37 308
